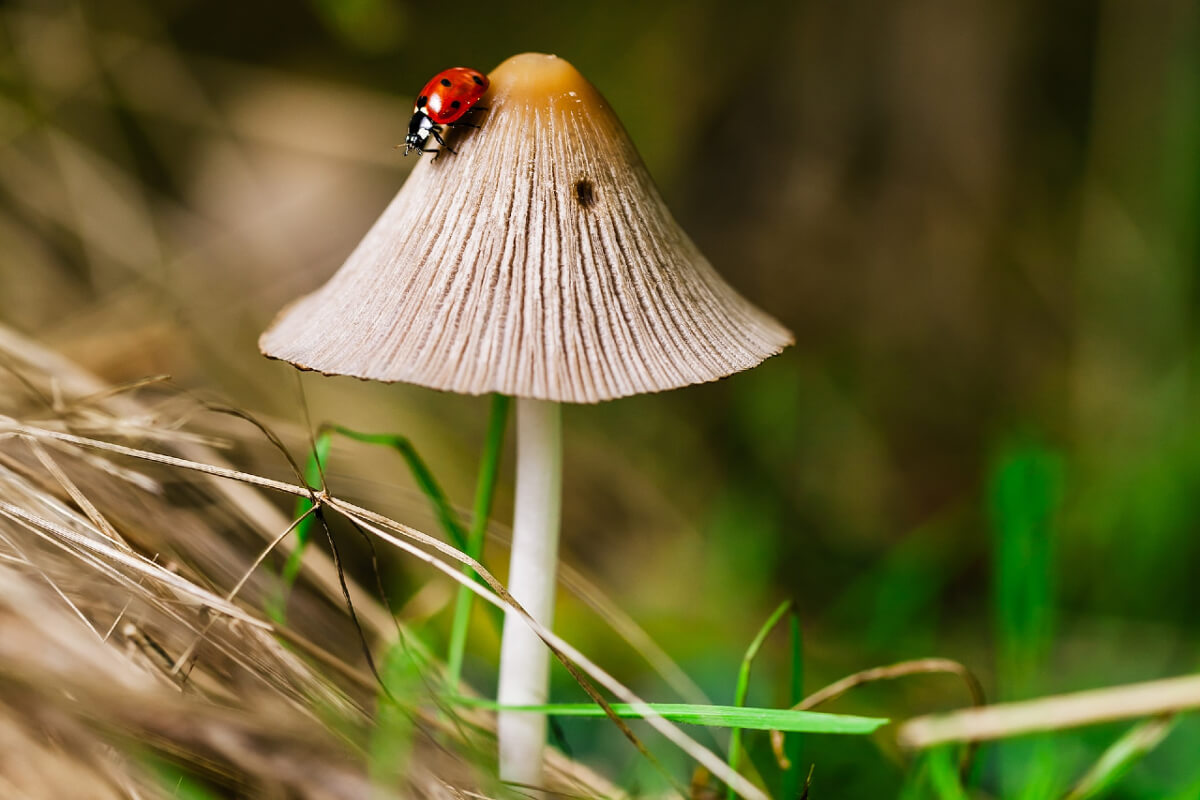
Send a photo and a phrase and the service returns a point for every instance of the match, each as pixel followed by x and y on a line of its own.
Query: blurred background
pixel 980 218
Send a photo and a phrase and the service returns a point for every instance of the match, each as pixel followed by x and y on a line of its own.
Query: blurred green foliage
pixel 1025 492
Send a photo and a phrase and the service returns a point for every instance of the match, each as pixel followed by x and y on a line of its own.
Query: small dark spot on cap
pixel 477 79
pixel 455 104
pixel 585 192
pixel 421 101
pixel 445 81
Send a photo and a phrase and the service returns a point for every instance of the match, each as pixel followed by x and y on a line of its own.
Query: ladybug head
pixel 419 130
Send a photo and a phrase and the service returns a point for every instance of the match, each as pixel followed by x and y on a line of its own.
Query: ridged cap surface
pixel 539 261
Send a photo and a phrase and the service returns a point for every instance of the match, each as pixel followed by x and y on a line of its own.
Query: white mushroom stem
pixel 524 658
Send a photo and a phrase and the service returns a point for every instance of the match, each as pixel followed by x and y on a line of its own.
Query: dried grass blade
pixel 81 500
pixel 159 458
pixel 920 666
pixel 63 536
pixel 1052 713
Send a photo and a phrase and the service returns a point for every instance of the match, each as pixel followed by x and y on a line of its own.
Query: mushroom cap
pixel 537 261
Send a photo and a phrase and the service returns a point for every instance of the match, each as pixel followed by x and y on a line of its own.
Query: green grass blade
pixel 314 478
pixel 943 774
pixel 421 473
pixel 793 776
pixel 1025 493
pixel 485 491
pixel 759 719
pixel 915 779
pixel 1120 756
pixel 314 472
pixel 743 683
pixel 176 782
pixel 470 542
pixel 1189 791
pixel 390 747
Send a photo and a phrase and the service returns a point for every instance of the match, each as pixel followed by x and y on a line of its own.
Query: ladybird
pixel 446 99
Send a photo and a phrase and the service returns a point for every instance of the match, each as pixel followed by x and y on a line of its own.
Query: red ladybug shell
pixel 450 93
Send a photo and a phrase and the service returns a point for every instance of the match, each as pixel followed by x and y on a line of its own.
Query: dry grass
pixel 124 660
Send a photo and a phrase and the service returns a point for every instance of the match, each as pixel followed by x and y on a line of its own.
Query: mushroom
pixel 537 261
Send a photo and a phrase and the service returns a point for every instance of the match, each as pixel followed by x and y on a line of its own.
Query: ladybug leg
pixel 437 134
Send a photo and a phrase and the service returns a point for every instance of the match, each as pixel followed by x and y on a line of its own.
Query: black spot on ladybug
pixel 421 101
pixel 477 79
pixel 445 81
pixel 585 193
pixel 455 104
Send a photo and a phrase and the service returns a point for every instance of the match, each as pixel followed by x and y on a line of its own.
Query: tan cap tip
pixel 539 78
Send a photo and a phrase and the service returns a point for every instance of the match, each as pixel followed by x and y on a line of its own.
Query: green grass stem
pixel 743 683
pixel 1115 761
pixel 793 777
pixel 1025 493
pixel 314 475
pixel 485 491
pixel 944 773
